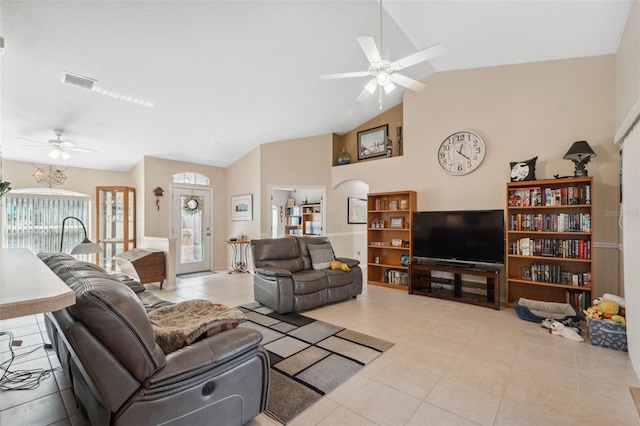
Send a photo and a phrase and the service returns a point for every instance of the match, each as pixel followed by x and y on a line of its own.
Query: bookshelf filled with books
pixel 549 240
pixel 389 238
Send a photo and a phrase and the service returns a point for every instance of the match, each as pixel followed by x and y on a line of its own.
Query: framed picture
pixel 371 143
pixel 356 210
pixel 393 205
pixel 396 222
pixel 242 207
pixel 396 242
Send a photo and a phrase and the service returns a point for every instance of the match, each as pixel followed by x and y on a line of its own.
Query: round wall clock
pixel 461 153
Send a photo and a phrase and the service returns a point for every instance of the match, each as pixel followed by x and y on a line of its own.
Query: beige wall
pixel 298 162
pixel 392 117
pixel 521 111
pixel 159 172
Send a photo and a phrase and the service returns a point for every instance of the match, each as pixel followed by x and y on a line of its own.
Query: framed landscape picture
pixel 371 143
pixel 242 207
pixel 356 210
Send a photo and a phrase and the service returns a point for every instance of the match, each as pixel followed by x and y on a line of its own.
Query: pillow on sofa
pixel 321 255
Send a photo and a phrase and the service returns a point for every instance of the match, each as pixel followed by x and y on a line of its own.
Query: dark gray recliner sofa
pixel 285 280
pixel 120 376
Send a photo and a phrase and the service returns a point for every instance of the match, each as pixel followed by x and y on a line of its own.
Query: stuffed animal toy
pixel 340 265
pixel 608 296
pixel 593 313
pixel 548 322
pixel 607 307
pixel 559 329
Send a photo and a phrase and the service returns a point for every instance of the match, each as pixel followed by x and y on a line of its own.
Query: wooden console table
pixel 239 260
pixel 28 286
pixel 424 282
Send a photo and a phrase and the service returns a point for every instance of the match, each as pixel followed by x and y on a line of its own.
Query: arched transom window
pixel 191 178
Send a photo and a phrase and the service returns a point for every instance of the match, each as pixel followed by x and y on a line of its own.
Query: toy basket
pixel 607 334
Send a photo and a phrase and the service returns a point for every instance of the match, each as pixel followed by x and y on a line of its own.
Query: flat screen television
pixel 463 238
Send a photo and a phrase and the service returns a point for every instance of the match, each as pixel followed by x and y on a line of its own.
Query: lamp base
pixel 580 173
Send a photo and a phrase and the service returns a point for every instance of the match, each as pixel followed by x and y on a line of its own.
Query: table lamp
pixel 580 153
pixel 86 246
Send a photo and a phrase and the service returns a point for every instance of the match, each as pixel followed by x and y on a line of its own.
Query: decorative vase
pixel 344 157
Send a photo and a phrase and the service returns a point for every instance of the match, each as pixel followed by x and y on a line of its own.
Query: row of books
pixel 579 300
pixel 552 273
pixel 294 211
pixel 563 196
pixel 392 276
pixel 552 247
pixel 551 222
pixel 294 220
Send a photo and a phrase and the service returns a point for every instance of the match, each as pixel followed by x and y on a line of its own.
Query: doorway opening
pixel 298 211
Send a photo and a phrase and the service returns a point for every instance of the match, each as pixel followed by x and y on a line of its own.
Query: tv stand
pixel 453 282
pixel 460 265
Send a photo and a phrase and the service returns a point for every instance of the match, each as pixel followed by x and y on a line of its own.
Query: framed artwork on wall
pixel 371 143
pixel 242 207
pixel 356 210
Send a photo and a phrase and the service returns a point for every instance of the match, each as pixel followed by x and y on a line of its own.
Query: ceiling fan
pixel 383 72
pixel 59 148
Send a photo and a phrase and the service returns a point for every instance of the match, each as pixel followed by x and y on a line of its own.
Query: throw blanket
pixel 185 322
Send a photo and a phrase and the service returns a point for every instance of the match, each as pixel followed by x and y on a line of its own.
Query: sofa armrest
pixel 351 263
pixel 204 355
pixel 273 272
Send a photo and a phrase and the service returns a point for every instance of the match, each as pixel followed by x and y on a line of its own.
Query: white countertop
pixel 28 286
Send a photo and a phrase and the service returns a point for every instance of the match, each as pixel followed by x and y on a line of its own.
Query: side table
pixel 239 261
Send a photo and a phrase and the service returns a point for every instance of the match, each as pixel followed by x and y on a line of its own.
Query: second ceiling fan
pixel 384 72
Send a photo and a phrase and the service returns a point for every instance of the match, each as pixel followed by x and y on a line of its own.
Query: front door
pixel 192 228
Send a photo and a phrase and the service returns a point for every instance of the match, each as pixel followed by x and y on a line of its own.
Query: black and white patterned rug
pixel 309 358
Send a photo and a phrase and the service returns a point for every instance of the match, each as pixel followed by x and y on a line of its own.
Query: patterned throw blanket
pixel 185 322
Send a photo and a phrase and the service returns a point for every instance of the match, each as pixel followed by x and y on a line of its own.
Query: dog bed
pixel 537 311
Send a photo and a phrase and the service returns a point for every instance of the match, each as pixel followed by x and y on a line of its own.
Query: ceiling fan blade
pixel 76 149
pixel 345 75
pixel 416 58
pixel 407 82
pixel 369 89
pixel 369 48
pixel 31 140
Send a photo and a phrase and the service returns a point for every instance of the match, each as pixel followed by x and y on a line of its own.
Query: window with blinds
pixel 32 219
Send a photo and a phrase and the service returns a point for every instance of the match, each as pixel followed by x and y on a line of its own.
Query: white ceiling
pixel 227 76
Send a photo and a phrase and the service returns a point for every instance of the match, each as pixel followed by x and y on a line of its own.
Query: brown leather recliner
pixel 119 374
pixel 285 280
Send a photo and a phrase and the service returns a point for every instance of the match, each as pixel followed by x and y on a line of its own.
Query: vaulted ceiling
pixel 220 77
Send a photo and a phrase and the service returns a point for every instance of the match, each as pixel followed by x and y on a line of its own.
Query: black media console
pixel 455 283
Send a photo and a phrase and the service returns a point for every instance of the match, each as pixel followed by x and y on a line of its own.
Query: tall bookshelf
pixel 549 241
pixel 389 238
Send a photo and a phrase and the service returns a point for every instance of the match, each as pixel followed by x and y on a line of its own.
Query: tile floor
pixel 452 364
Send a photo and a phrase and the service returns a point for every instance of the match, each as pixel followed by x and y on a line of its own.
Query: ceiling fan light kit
pixel 59 147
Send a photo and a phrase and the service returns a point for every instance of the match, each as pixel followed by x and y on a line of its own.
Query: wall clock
pixel 461 153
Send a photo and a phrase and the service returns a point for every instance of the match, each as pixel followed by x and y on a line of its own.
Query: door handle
pixel 208 234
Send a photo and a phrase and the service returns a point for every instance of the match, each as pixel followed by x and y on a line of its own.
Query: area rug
pixel 195 274
pixel 309 358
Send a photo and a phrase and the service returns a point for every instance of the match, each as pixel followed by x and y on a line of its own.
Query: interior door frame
pixel 323 201
pixel 173 232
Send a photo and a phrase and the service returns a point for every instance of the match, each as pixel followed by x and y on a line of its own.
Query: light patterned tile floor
pixel 452 364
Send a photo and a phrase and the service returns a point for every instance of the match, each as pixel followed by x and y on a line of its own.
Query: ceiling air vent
pixel 78 80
